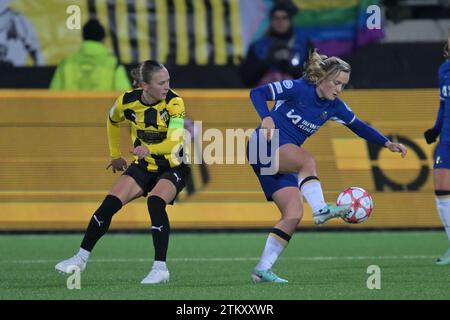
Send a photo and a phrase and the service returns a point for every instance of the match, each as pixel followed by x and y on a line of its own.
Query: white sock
pixel 84 254
pixel 443 206
pixel 312 191
pixel 160 265
pixel 271 252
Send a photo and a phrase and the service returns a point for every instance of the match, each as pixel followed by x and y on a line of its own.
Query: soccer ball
pixel 361 202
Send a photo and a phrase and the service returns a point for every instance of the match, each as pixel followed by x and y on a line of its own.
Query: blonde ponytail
pixel 320 67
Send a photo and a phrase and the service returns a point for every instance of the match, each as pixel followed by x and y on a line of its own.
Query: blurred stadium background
pixel 54 149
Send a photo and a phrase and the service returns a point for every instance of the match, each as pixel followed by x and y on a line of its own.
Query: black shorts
pixel 147 180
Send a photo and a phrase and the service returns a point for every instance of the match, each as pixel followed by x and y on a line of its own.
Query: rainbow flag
pixel 338 27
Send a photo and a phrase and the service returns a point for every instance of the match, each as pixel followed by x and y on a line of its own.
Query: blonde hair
pixel 144 72
pixel 320 67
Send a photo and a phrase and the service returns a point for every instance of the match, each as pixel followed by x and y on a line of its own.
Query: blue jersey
pixel 299 112
pixel 443 121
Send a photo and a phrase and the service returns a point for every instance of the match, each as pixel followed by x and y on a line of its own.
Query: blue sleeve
pixel 440 116
pixel 344 114
pixel 367 132
pixel 259 97
pixel 286 89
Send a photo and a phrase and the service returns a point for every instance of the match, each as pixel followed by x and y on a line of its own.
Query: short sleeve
pixel 116 113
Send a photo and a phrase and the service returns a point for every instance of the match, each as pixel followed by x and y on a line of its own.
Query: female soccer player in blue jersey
pixel 156 114
pixel 442 154
pixel 302 106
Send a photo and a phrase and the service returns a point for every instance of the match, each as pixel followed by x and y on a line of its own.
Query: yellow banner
pixel 53 171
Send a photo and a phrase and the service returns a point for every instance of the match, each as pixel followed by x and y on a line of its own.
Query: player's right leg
pixel 296 159
pixel 290 204
pixel 123 191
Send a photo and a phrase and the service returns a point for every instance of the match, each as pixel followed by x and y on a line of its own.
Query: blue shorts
pixel 442 156
pixel 272 183
pixel 269 182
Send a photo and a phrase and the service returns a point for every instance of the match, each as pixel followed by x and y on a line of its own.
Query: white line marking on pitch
pixel 228 259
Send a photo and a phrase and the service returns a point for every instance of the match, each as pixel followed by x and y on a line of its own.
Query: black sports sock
pixel 280 233
pixel 160 226
pixel 100 221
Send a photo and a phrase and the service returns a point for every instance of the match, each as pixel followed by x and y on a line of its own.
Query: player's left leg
pixel 123 191
pixel 290 204
pixel 442 192
pixel 298 160
pixel 164 192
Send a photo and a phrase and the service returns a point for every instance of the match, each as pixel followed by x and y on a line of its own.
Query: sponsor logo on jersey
pixel 294 117
pixel 288 84
pixel 301 123
pixel 278 87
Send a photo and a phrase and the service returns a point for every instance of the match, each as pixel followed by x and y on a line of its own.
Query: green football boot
pixel 330 212
pixel 266 276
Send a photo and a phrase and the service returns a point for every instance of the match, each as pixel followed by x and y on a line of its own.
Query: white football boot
pixel 157 275
pixel 70 265
pixel 444 259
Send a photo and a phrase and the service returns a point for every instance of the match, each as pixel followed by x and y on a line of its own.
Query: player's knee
pixel 155 203
pixel 110 205
pixel 157 209
pixel 306 165
pixel 293 216
pixel 292 221
pixel 309 164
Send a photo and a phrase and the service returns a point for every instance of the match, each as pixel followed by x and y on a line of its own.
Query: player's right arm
pixel 285 90
pixel 115 116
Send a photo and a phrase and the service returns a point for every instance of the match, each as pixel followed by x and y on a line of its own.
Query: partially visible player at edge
pixel 156 114
pixel 442 154
pixel 302 106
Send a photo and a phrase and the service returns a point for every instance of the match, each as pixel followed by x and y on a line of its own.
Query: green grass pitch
pixel 204 266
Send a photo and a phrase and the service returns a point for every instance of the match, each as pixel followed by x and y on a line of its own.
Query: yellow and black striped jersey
pixel 151 126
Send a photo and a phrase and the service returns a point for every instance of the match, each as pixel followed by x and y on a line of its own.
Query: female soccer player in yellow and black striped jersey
pixel 156 114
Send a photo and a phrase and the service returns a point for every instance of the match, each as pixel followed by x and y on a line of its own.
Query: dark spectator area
pixel 404 53
pixel 390 65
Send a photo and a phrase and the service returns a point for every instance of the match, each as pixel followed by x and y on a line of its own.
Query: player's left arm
pixel 175 132
pixel 367 132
